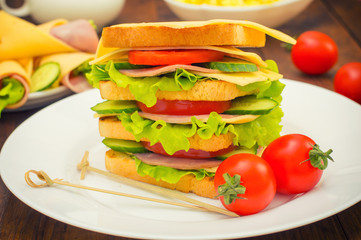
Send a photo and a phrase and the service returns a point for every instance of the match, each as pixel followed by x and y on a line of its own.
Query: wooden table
pixel 339 19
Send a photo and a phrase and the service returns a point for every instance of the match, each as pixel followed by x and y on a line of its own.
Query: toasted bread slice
pixel 207 90
pixel 172 34
pixel 111 127
pixel 123 165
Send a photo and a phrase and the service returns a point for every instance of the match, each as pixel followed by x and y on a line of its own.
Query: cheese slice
pixel 241 78
pixel 106 54
pixel 21 39
pixel 67 62
pixel 13 67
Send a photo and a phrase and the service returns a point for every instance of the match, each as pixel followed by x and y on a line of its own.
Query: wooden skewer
pixel 49 182
pixel 84 164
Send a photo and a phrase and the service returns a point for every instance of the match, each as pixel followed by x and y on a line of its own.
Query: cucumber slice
pixel 44 76
pixel 251 105
pixel 115 106
pixel 124 145
pixel 252 150
pixel 236 66
pixel 123 65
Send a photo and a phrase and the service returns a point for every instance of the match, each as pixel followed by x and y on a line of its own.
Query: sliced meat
pixel 178 163
pixel 78 34
pixel 76 84
pixel 155 71
pixel 182 119
pixel 26 92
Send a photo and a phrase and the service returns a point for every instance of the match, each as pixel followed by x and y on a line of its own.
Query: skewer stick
pixel 49 182
pixel 84 164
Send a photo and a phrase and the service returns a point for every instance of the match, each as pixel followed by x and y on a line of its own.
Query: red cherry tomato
pixel 348 81
pixel 169 57
pixel 256 177
pixel 288 156
pixel 314 53
pixel 192 153
pixel 182 107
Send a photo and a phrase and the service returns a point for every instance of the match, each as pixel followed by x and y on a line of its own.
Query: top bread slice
pixel 172 34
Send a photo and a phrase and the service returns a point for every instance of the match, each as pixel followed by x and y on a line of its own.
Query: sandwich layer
pixel 207 90
pixel 123 165
pixel 176 34
pixel 111 127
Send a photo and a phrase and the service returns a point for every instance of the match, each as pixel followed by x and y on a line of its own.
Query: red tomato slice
pixel 183 107
pixel 192 153
pixel 170 57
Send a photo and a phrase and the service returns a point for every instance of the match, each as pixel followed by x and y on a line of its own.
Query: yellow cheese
pixel 67 62
pixel 241 78
pixel 21 39
pixel 10 67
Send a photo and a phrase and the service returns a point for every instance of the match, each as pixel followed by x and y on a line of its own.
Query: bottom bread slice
pixel 121 164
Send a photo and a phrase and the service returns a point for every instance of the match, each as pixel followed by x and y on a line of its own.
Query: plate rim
pixel 350 203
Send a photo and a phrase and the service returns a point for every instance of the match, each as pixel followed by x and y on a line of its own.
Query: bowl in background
pixel 270 15
pixel 102 12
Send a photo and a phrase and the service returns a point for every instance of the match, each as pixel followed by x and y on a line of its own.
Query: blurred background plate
pixel 270 15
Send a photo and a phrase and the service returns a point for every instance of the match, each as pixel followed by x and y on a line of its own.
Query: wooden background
pixel 340 19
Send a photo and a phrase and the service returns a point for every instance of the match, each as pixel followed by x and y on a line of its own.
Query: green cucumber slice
pixel 124 145
pixel 251 105
pixel 252 150
pixel 122 65
pixel 232 66
pixel 44 76
pixel 115 106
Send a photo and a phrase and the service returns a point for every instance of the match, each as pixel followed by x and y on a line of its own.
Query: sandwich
pixel 180 97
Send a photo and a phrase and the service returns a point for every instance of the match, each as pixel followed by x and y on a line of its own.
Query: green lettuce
pixel 12 91
pixel 144 88
pixel 174 137
pixel 167 174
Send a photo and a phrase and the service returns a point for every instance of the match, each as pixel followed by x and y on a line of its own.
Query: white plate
pixel 43 98
pixel 55 139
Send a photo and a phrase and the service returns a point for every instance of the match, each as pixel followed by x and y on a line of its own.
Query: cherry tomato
pixel 295 160
pixel 256 177
pixel 182 107
pixel 314 53
pixel 192 153
pixel 169 57
pixel 348 81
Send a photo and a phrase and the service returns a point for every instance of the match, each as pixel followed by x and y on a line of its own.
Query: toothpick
pixel 49 182
pixel 84 164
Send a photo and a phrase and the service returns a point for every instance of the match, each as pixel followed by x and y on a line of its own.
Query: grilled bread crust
pixel 172 34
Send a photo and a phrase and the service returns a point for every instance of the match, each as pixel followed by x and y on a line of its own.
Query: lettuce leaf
pixel 174 137
pixel 167 174
pixel 12 91
pixel 144 88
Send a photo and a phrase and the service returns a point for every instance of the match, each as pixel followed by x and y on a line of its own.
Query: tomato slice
pixel 183 107
pixel 170 57
pixel 192 153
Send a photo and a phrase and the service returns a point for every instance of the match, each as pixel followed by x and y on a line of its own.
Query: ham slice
pixel 76 84
pixel 26 92
pixel 175 162
pixel 186 119
pixel 155 71
pixel 78 34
